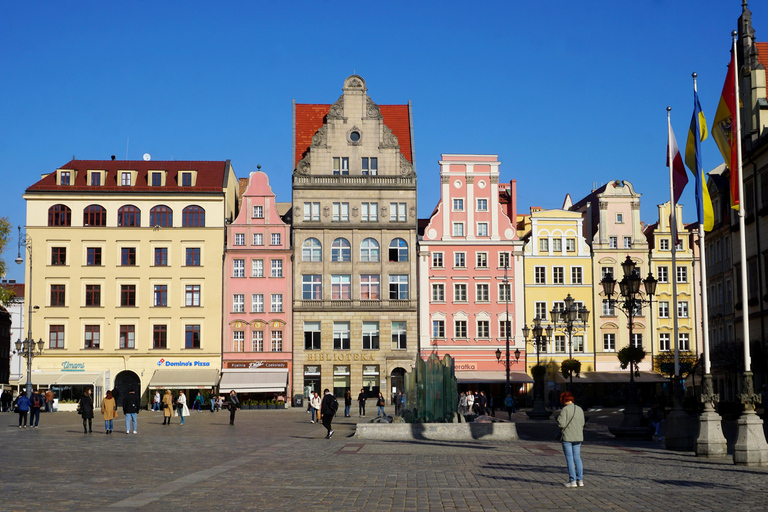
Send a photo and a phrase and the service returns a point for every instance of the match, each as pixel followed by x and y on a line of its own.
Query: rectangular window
pixel 482 229
pixel 192 336
pixel 95 179
pixel 161 295
pixel 277 341
pixel 125 179
pixel 459 292
pixel 340 287
pixel 238 303
pixel 64 178
pixel 438 292
pixel 664 342
pixel 127 336
pixel 682 274
pixel 370 335
pixel 160 336
pixel 558 275
pixel 238 268
pixel 238 341
pixel 370 166
pixel 257 341
pixel 609 342
pixel 663 309
pixel 543 244
pixel 482 205
pixel 157 179
pixel 578 343
pixel 605 272
pixel 504 292
pixel 481 260
pixel 257 268
pixel 311 287
pixel 258 212
pixel 58 256
pixel 682 309
pixel 192 295
pixel 619 218
pixel 277 268
pixel 613 242
pixel 128 256
pixel 340 212
pixel 258 239
pixel 540 310
pixel 341 336
pixel 93 295
pixel 438 329
pixel 483 329
pixel 459 260
pixel 161 256
pixel 399 332
pixel 504 260
pixel 662 274
pixel 340 165
pixel 637 340
pixel 460 329
pixel 127 295
pixel 576 275
pixel 311 212
pixel 559 343
pixel 239 238
pixel 398 287
pixel 311 335
pixel 437 260
pixel 570 244
pixel 56 336
pixel 482 293
pixel 397 212
pixel 458 205
pixel 58 294
pixel 276 303
pixel 193 256
pixel 557 245
pixel 92 336
pixel 504 328
pixel 664 246
pixel 276 239
pixel 369 287
pixel 627 242
pixel 540 275
pixel 608 308
pixel 257 303
pixel 684 341
pixel 93 257
pixel 186 179
pixel 369 212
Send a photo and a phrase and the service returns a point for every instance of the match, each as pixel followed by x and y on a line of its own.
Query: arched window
pixel 161 216
pixel 128 216
pixel 369 250
pixel 311 250
pixel 193 216
pixel 59 215
pixel 398 250
pixel 340 250
pixel 94 215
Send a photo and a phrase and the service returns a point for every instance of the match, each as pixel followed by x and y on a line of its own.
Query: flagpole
pixel 673 231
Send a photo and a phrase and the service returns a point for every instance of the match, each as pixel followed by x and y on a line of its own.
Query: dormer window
pixel 64 178
pixel 95 179
pixel 258 212
pixel 125 179
pixel 157 179
pixel 186 179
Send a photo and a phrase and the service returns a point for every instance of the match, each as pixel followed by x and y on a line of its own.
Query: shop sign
pixel 370 370
pixel 465 367
pixel 341 370
pixel 340 357
pixel 311 370
pixel 66 366
pixel 182 364
pixel 252 365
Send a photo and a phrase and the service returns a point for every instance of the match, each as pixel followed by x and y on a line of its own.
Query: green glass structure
pixel 430 391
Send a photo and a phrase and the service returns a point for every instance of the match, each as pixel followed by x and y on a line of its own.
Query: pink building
pixel 257 340
pixel 466 248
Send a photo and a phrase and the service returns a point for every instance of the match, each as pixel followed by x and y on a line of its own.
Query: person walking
pixel 509 404
pixel 655 418
pixel 49 401
pixel 361 403
pixel 131 406
pixel 108 411
pixel 380 403
pixel 482 404
pixel 234 406
pixel 315 402
pixel 181 406
pixel 5 400
pixel 571 423
pixel 328 409
pixel 167 407
pixel 470 402
pixel 22 407
pixel 86 411
pixel 156 402
pixel 37 401
pixel 347 403
pixel 213 401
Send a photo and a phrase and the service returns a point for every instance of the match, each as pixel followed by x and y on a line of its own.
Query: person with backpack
pixel 37 402
pixel 328 409
pixel 509 403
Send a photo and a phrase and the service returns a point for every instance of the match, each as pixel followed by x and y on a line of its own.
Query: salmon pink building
pixel 257 340
pixel 471 276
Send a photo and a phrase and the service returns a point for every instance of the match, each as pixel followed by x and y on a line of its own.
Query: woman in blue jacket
pixel 23 404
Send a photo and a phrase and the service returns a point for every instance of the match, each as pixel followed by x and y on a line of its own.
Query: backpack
pixel 334 405
pixel 36 401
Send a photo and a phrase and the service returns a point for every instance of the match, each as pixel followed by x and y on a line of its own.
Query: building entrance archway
pixel 125 381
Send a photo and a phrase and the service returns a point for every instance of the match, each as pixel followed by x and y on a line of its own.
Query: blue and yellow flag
pixel 696 134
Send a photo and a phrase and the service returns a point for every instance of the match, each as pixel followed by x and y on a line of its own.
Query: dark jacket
pixel 86 407
pixel 23 402
pixel 40 400
pixel 361 398
pixel 329 405
pixel 131 403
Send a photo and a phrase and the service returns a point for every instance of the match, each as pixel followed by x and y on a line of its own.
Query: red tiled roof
pixel 762 53
pixel 210 176
pixel 310 117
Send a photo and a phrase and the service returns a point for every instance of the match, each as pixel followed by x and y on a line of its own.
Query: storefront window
pixel 341 382
pixel 371 379
pixel 312 378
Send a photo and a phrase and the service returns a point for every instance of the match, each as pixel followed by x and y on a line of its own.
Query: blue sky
pixel 568 94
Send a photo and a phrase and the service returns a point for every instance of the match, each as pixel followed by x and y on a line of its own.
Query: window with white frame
pixel 662 274
pixel 311 212
pixel 437 260
pixel 458 204
pixel 459 292
pixel 608 308
pixel 370 335
pixel 482 229
pixel 311 287
pixel 258 212
pixel 276 239
pixel 682 309
pixel 369 166
pixel 481 260
pixel 257 268
pixel 238 268
pixel 664 342
pixel 682 274
pixel 540 310
pixel 609 342
pixel 398 287
pixel 605 272
pixel 460 329
pixel 543 244
pixel 482 205
pixel 257 302
pixel 340 212
pixel 613 242
pixel 258 239
pixel 576 275
pixel 483 329
pixel 504 260
pixel 504 328
pixel 438 329
pixel 679 245
pixel 341 287
pixel 459 260
pixel 557 244
pixel 540 275
pixel 257 341
pixel 340 165
pixel 312 336
pixel 558 275
pixel 398 250
pixel 277 341
pixel 238 303
pixel 341 250
pixel 369 287
pixel 341 336
pixel 239 238
pixel 458 229
pixel 397 212
pixel 619 218
pixel 627 242
pixel 559 343
pixel 311 250
pixel 637 340
pixel 369 212
pixel 482 292
pixel 238 341
pixel 369 250
pixel 399 335
pixel 578 343
pixel 504 292
pixel 438 292
pixel 277 268
pixel 276 303
pixel 684 341
pixel 663 309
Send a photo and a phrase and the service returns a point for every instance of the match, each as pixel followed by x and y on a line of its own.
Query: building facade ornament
pixel 337 109
pixel 388 139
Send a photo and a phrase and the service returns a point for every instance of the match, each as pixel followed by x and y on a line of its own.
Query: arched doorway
pixel 397 378
pixel 125 381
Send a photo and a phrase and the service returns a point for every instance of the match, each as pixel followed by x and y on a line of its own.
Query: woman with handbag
pixel 380 403
pixel 571 423
pixel 108 411
pixel 86 411
pixel 167 407
pixel 181 406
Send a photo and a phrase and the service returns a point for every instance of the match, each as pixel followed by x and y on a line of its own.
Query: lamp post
pixel 566 320
pixel 629 290
pixel 508 325
pixel 27 347
pixel 538 340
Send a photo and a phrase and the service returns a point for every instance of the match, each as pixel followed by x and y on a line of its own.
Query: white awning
pixel 254 381
pixel 43 378
pixel 493 376
pixel 612 378
pixel 67 378
pixel 197 378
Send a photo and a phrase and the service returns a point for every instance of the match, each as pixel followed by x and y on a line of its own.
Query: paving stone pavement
pixel 277 460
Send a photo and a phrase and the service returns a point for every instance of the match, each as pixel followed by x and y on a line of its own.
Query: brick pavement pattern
pixel 277 460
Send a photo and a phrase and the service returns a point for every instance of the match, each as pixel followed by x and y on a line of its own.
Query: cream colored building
pixel 126 269
pixel 354 229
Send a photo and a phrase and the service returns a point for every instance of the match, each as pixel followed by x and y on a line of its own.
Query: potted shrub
pixel 281 404
pixel 570 367
pixel 631 356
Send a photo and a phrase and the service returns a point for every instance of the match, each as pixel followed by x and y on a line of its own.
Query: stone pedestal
pixel 678 436
pixel 539 411
pixel 750 448
pixel 710 442
pixel 630 427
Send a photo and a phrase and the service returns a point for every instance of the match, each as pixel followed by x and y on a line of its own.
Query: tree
pixel 6 294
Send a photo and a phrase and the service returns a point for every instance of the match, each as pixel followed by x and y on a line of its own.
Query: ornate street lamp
pixel 539 340
pixel 566 319
pixel 631 300
pixel 27 347
pixel 508 327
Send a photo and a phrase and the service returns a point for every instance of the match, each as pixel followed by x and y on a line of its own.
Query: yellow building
pixel 558 264
pixel 124 273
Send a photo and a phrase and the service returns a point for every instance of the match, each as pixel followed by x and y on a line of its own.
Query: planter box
pixel 438 431
pixel 67 407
